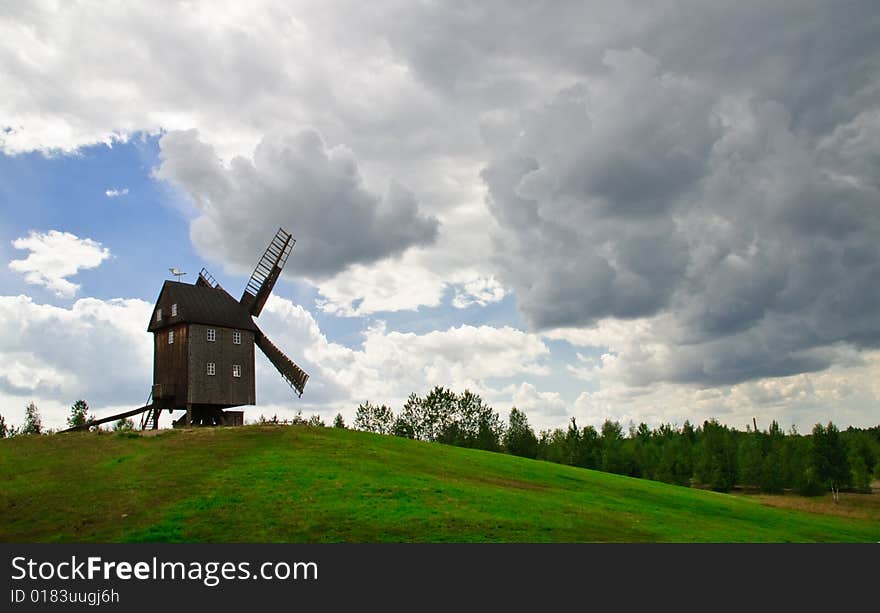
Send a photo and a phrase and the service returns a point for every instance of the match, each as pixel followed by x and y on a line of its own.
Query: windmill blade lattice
pixel 266 273
pixel 293 374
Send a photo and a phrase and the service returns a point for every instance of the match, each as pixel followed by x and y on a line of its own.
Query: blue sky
pixel 586 213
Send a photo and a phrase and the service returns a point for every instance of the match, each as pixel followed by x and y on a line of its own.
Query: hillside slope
pixel 299 484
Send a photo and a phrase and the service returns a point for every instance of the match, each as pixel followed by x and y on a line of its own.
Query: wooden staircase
pixel 150 417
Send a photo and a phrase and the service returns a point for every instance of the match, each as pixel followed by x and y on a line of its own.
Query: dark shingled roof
pixel 199 304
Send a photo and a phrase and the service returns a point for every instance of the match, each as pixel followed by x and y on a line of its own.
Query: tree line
pixel 710 455
pixel 33 422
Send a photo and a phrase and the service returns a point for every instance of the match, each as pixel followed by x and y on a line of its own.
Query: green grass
pixel 298 484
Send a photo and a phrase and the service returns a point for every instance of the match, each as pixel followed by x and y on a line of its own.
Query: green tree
pixel 589 449
pixel 613 459
pixel 520 439
pixel 338 422
pixel 79 414
pixel 674 463
pixel 772 478
pixel 863 450
pixel 491 430
pixel 410 421
pixel 751 458
pixel 641 451
pixel 4 430
pixel 464 420
pixel 716 465
pixel 315 421
pixel 552 446
pixel 829 459
pixel 571 442
pixel 374 418
pixel 861 476
pixel 33 424
pixel 438 416
pixel 800 472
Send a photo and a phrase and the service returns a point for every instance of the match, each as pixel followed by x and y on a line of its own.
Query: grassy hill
pixel 299 484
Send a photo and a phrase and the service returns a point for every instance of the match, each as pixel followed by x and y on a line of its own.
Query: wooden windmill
pixel 203 339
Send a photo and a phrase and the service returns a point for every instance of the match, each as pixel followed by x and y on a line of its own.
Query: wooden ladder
pixel 150 417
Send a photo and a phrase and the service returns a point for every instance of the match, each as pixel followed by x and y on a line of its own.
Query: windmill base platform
pixel 209 416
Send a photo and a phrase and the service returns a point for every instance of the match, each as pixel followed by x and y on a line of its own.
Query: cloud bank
pixel 752 250
pixel 687 194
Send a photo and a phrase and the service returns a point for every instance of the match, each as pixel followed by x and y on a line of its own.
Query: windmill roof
pixel 200 304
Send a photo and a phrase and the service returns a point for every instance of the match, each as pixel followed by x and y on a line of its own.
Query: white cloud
pixel 391 365
pixel 845 394
pixel 421 276
pixel 606 332
pixel 54 256
pixel 24 372
pixel 479 291
pixel 96 350
pixel 391 285
pixel 539 406
pixel 115 193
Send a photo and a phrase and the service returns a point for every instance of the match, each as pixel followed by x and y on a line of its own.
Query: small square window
pixel 236 370
pixel 174 310
pixel 211 368
pixel 158 314
pixel 170 337
pixel 236 337
pixel 212 335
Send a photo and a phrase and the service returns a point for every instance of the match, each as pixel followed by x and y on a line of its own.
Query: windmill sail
pixel 266 273
pixel 206 279
pixel 292 373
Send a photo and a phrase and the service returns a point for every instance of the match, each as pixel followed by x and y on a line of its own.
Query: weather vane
pixel 177 273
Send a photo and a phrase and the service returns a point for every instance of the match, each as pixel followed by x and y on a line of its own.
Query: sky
pixel 640 212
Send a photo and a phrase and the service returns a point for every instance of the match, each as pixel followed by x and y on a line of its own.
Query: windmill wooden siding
pixel 170 365
pixel 221 388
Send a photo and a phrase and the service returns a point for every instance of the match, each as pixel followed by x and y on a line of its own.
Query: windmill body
pixel 203 354
pixel 203 344
pixel 203 347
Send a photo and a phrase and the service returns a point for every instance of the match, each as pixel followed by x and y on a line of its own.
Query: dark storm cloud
pixel 730 192
pixel 586 199
pixel 297 183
